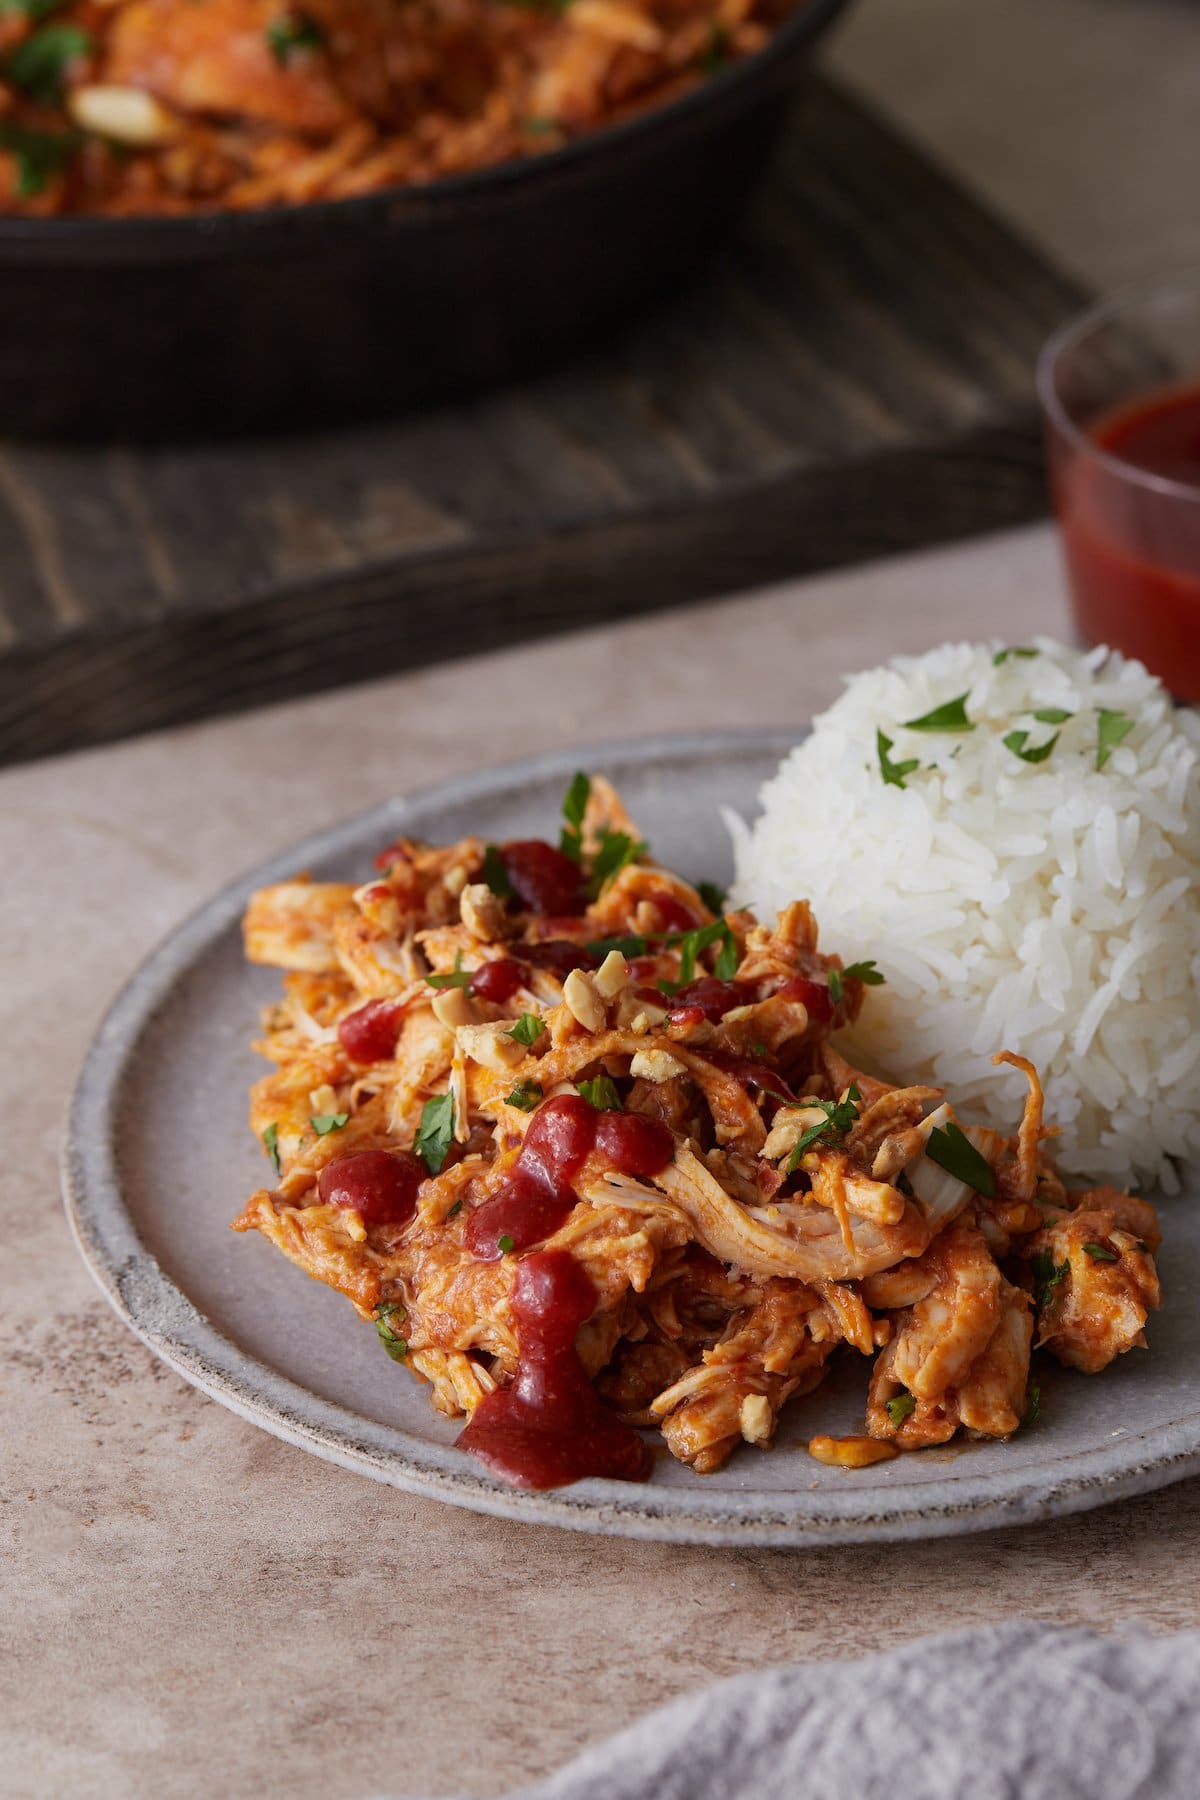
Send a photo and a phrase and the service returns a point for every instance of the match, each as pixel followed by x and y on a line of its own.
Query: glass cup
pixel 1120 393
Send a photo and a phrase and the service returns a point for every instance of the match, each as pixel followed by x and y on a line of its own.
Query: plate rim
pixel 162 1316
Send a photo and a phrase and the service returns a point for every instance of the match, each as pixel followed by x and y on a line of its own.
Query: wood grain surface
pixel 852 376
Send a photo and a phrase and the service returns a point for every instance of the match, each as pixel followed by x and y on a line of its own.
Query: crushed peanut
pixel 481 912
pixel 656 1065
pixel 583 1002
pixel 611 976
pixel 756 1419
pixel 452 1008
pixel 127 115
pixel 491 1045
pixel 789 1127
pixel 322 1100
pixel 619 24
pixel 637 1014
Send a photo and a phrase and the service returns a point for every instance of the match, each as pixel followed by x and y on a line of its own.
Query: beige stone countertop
pixel 189 1605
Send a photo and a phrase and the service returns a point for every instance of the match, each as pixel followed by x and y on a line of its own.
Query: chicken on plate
pixel 581 1145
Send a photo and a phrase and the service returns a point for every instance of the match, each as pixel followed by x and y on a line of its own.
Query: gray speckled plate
pixel 158 1161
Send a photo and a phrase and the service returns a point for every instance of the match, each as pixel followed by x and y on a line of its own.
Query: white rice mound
pixel 1048 908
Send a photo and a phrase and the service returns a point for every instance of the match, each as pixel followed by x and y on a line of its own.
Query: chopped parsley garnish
pixel 1052 715
pixel 38 154
pixel 436 1132
pixel 712 896
pixel 629 944
pixel 28 9
pixel 692 943
pixel 689 944
pixel 952 716
pixel 504 1243
pixel 527 1029
pixel 1047 1275
pixel 725 967
pixel 953 1151
pixel 39 65
pixel 866 972
pixel 1033 1407
pixel 396 1346
pixel 602 1094
pixel 270 1138
pixel 495 873
pixel 1113 729
pixel 324 1123
pixel 292 32
pixel 716 56
pixel 455 1210
pixel 840 1115
pixel 461 978
pixel 574 806
pixel 1037 753
pixel 527 1096
pixel 1102 1253
pixel 899 1407
pixel 616 849
pixel 893 773
pixel 1002 656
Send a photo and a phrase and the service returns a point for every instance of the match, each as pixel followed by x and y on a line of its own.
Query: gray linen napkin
pixel 1023 1711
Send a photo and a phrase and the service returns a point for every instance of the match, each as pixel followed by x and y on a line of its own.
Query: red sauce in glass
pixel 369 1035
pixel 1133 552
pixel 550 1427
pixel 380 1185
pixel 538 1194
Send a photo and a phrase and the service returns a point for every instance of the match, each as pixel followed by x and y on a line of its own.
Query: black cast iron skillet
pixel 224 322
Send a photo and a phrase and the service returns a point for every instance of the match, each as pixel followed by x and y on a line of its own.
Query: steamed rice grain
pixel 1048 907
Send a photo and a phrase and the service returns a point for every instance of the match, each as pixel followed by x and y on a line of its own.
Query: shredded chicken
pixel 745 1204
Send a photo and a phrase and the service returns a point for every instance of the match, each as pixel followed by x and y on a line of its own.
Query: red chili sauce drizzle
pixel 498 981
pixel 538 1194
pixel 709 998
pixel 549 1427
pixel 543 879
pixel 751 1073
pixel 380 1185
pixel 369 1035
pixel 675 915
pixel 814 995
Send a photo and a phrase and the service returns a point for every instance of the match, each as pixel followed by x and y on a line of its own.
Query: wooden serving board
pixel 852 376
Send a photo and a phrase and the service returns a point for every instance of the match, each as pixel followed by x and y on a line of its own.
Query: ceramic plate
pixel 159 1159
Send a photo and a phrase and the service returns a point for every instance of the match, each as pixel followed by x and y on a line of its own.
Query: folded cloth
pixel 1023 1711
